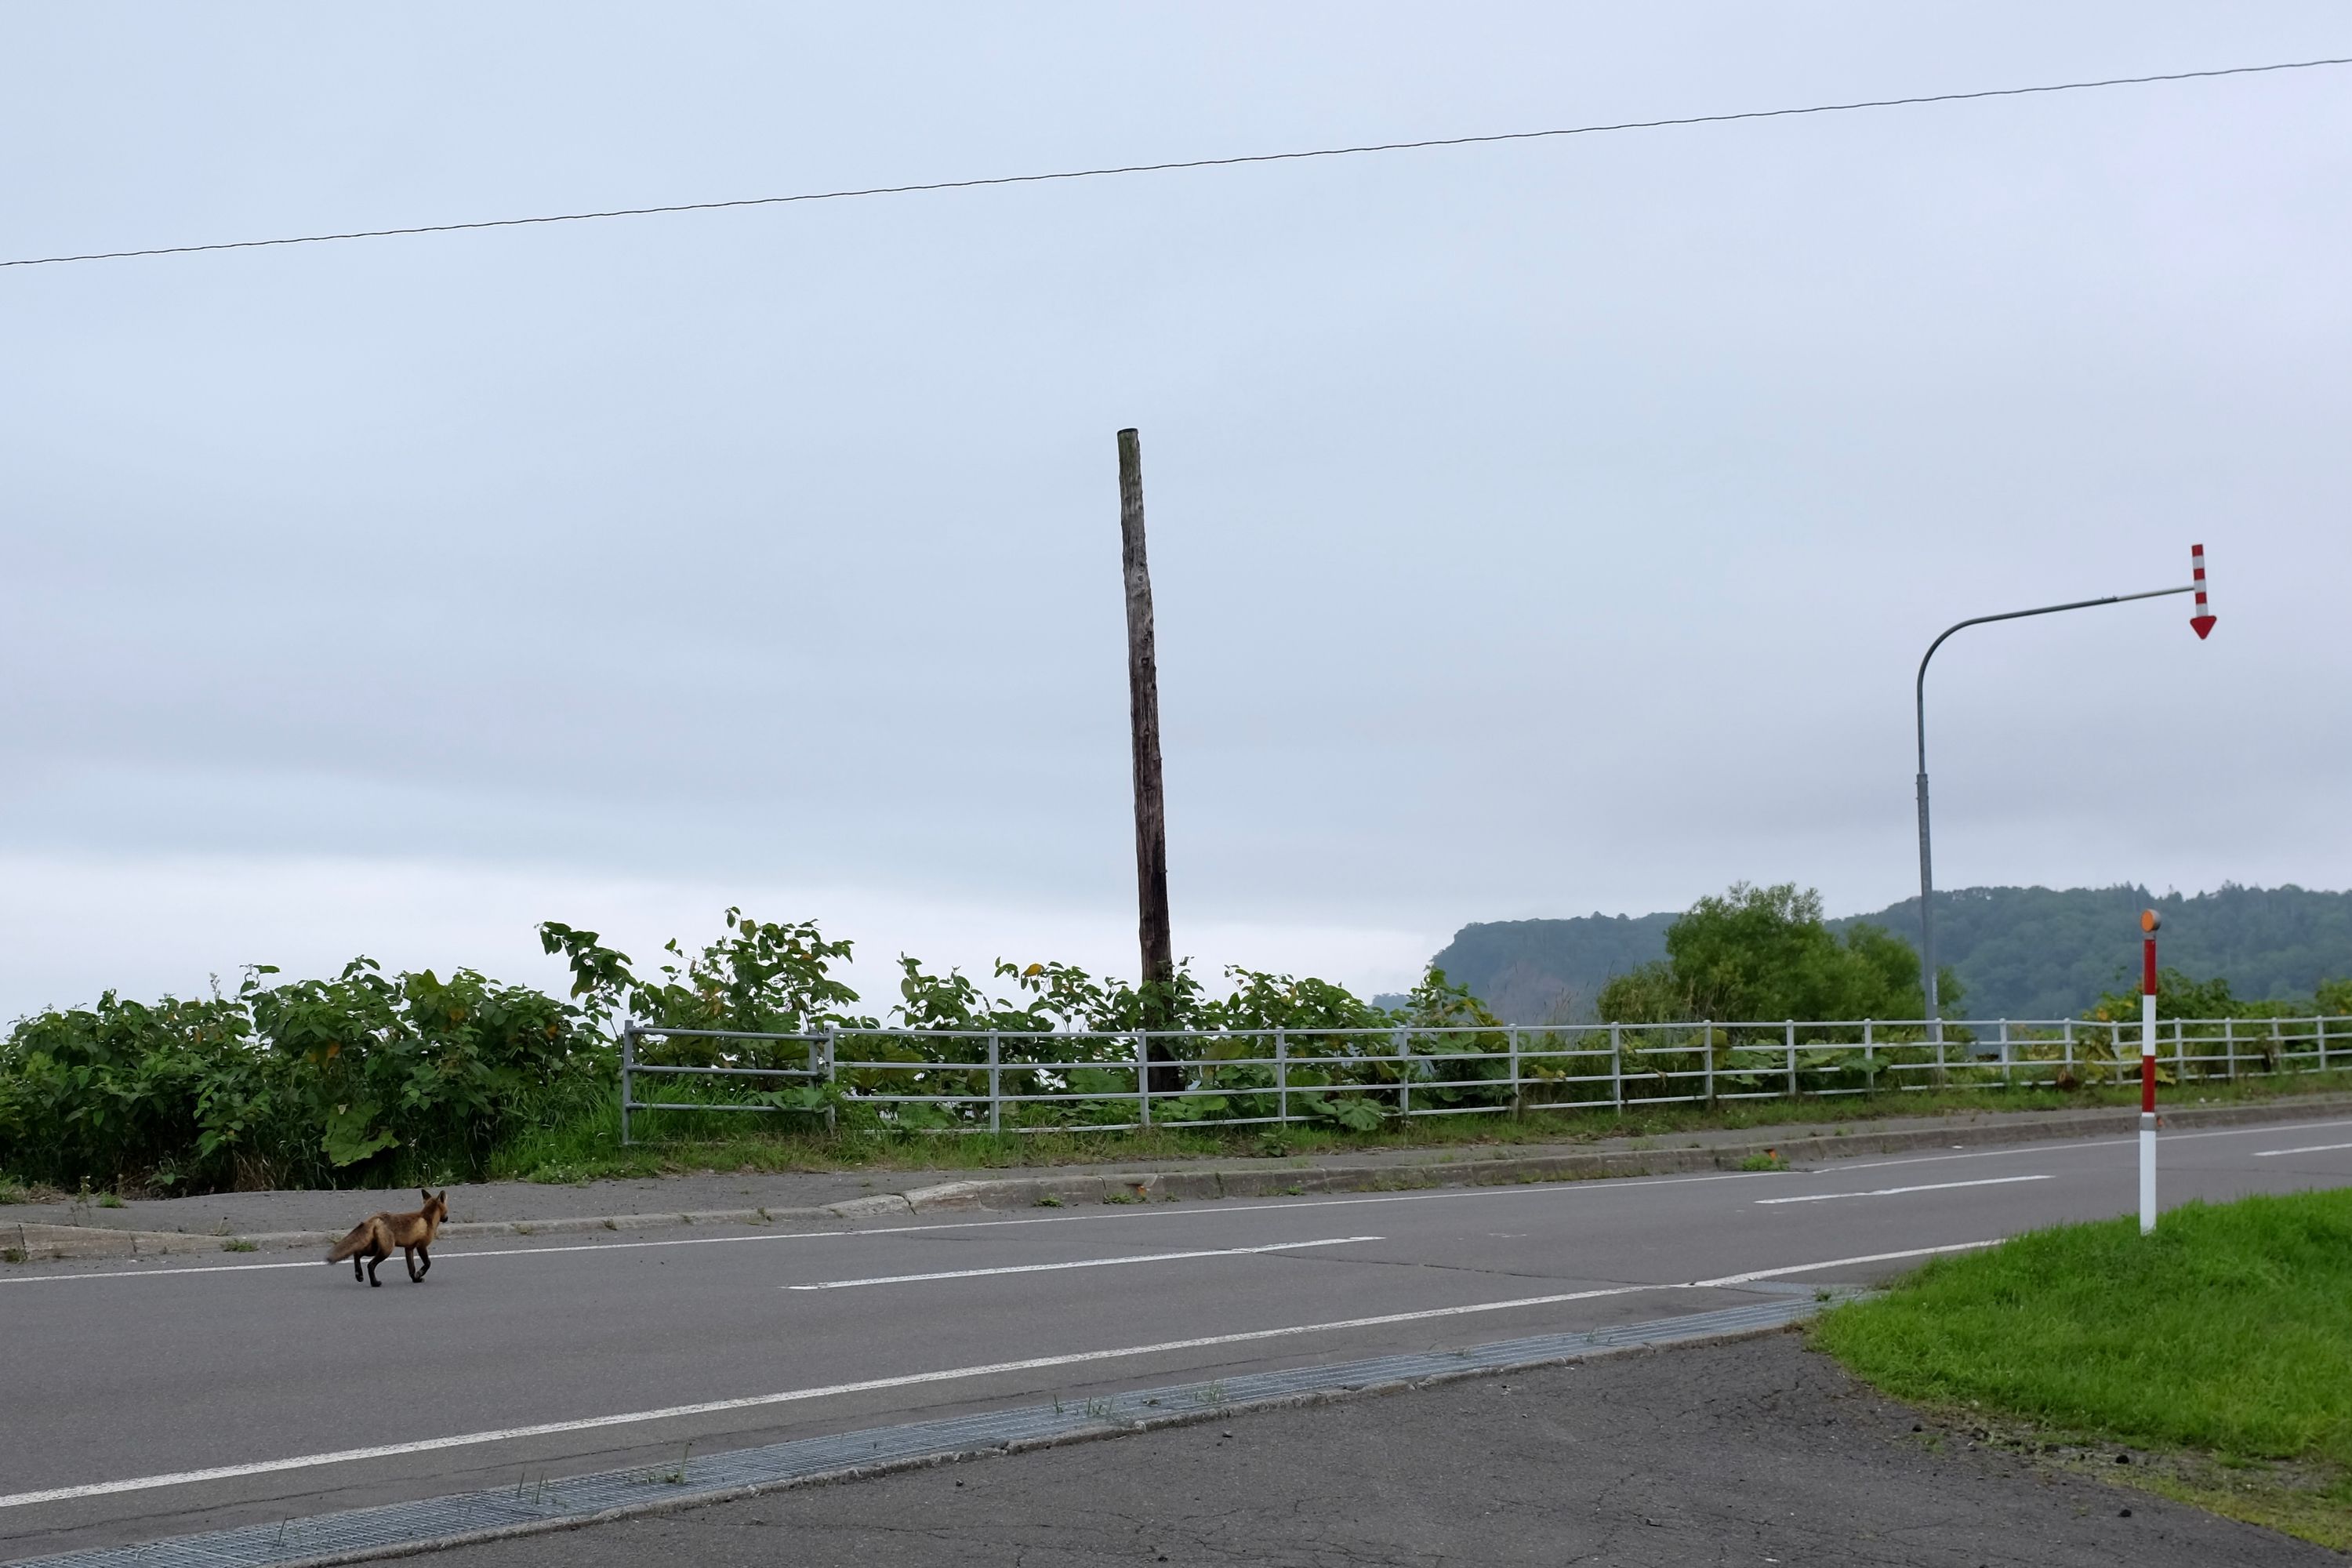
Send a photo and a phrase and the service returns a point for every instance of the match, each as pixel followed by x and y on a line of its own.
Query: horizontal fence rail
pixel 1017 1080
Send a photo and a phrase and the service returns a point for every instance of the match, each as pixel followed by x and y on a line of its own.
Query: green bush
pixel 358 1080
pixel 377 1079
pixel 1759 953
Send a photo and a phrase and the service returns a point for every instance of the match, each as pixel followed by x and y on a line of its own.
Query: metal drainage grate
pixel 397 1529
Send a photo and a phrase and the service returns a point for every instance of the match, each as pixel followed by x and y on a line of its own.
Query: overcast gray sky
pixel 1535 529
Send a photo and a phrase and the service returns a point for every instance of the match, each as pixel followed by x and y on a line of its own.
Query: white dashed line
pixel 1080 1263
pixel 1891 1191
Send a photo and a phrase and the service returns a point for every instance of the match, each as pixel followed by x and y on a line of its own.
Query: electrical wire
pixel 1109 170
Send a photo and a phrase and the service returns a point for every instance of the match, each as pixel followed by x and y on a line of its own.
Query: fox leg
pixel 359 1269
pixel 424 1264
pixel 376 1254
pixel 408 1256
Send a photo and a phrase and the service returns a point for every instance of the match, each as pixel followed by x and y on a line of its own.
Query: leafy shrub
pixel 371 1079
pixel 1759 953
pixel 357 1080
pixel 2179 995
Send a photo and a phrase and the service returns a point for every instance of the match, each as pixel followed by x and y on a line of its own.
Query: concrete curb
pixel 37 1242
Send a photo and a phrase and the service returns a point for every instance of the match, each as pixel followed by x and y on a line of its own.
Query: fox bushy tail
pixel 355 1242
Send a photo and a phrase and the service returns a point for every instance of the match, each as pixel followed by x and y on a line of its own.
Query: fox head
pixel 436 1205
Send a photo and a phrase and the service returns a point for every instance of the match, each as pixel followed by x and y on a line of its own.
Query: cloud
pixel 1534 530
pixel 73 927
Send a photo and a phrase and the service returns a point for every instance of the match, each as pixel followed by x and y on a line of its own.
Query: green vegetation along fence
pixel 1009 1080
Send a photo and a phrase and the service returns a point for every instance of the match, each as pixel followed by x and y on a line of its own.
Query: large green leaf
pixel 353 1135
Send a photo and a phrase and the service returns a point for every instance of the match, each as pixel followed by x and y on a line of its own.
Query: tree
pixel 1760 953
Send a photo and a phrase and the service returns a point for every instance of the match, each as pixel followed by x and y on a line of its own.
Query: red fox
pixel 373 1238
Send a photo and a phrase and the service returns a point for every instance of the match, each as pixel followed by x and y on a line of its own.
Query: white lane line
pixel 153 1273
pixel 2069 1145
pixel 1841 1263
pixel 2306 1148
pixel 1081 1263
pixel 1891 1191
pixel 1191 1211
pixel 908 1380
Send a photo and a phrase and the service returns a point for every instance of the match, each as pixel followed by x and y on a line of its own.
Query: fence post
pixel 1516 1109
pixel 1281 1077
pixel 628 1066
pixel 995 1086
pixel 1143 1076
pixel 2007 1073
pixel 1617 1064
pixel 832 1073
pixel 1404 1073
pixel 2179 1053
pixel 2066 1055
pixel 2319 1028
pixel 1869 1060
pixel 1940 1058
pixel 2278 1048
pixel 2116 1046
pixel 1791 1037
pixel 1710 1026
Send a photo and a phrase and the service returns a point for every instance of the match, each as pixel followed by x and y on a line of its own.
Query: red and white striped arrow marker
pixel 2202 621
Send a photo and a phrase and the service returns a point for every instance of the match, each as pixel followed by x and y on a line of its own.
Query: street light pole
pixel 2202 622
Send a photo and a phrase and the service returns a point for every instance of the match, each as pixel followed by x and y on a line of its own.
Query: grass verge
pixel 586 1146
pixel 2223 1346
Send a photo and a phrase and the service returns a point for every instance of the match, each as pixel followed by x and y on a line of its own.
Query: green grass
pixel 2224 1342
pixel 586 1146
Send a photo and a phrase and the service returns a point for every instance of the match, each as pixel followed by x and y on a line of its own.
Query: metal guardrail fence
pixel 1014 1080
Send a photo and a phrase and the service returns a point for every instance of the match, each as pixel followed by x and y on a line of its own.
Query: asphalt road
pixel 125 1385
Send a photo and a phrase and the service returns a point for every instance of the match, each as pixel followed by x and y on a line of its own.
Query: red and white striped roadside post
pixel 2147 925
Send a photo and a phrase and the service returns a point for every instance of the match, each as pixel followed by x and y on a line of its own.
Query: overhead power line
pixel 1108 170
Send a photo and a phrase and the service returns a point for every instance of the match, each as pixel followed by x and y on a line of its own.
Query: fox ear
pixel 426 1196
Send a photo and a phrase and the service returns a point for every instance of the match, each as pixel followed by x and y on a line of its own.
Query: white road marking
pixel 1891 1191
pixel 2069 1145
pixel 1841 1263
pixel 153 1273
pixel 2306 1148
pixel 1082 1263
pixel 908 1380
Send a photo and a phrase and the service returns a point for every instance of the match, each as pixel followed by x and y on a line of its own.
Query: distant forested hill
pixel 1537 972
pixel 2021 953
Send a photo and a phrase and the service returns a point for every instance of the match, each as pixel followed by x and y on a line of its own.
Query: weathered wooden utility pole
pixel 1157 942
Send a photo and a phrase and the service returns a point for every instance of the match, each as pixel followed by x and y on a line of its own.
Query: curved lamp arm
pixel 1919 687
pixel 1919 702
